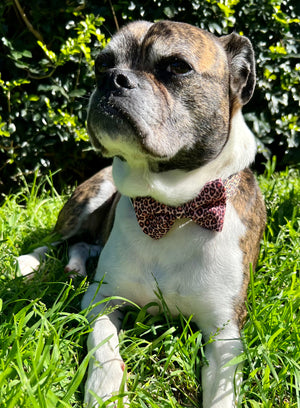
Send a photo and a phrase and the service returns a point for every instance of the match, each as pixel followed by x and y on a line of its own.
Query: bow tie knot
pixel 207 209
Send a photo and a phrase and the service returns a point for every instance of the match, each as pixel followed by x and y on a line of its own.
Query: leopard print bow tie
pixel 207 209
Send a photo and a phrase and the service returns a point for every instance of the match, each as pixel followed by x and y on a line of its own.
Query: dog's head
pixel 165 94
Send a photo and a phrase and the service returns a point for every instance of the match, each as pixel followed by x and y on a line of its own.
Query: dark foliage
pixel 46 65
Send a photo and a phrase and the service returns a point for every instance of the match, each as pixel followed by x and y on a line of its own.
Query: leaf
pixel 77 93
pixel 169 12
pixel 27 54
pixel 50 54
pixel 236 360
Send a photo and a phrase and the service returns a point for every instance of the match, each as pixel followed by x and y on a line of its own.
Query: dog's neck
pixel 177 186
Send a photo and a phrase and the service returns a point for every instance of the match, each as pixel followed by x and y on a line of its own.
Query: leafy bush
pixel 45 78
pixel 47 50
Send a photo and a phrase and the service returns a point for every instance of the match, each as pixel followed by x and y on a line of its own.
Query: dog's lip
pixel 112 110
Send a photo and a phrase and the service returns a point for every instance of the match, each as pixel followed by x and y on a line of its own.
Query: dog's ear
pixel 241 64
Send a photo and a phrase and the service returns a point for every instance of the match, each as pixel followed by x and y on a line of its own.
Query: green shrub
pixel 46 62
pixel 46 80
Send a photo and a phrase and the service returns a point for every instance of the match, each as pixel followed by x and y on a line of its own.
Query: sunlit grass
pixel 43 331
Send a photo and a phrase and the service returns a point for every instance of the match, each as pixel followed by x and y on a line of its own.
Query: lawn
pixel 43 331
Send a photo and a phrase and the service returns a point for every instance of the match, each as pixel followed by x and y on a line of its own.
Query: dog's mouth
pixel 121 115
pixel 116 131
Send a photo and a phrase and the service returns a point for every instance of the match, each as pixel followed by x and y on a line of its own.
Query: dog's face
pixel 166 92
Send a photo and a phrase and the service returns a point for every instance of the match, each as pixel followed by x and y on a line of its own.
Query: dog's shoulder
pixel 89 213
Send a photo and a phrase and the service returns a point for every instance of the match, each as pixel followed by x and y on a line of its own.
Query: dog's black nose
pixel 123 79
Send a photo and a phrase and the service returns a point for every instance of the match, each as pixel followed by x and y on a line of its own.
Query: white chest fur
pixel 197 271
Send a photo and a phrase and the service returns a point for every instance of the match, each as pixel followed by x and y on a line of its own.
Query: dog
pixel 179 208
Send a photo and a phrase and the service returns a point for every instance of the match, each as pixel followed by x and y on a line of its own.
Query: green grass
pixel 43 331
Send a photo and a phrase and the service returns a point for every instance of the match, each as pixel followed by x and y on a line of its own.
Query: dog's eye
pixel 103 63
pixel 177 66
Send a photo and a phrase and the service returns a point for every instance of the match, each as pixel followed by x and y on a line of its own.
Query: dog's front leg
pixel 221 381
pixel 106 367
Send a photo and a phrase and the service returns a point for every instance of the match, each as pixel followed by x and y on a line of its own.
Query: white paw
pixel 28 263
pixel 31 262
pixel 75 268
pixel 105 382
pixel 78 255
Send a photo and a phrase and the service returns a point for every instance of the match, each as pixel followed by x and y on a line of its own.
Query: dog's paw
pixel 31 262
pixel 105 382
pixel 78 255
pixel 28 264
pixel 75 268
